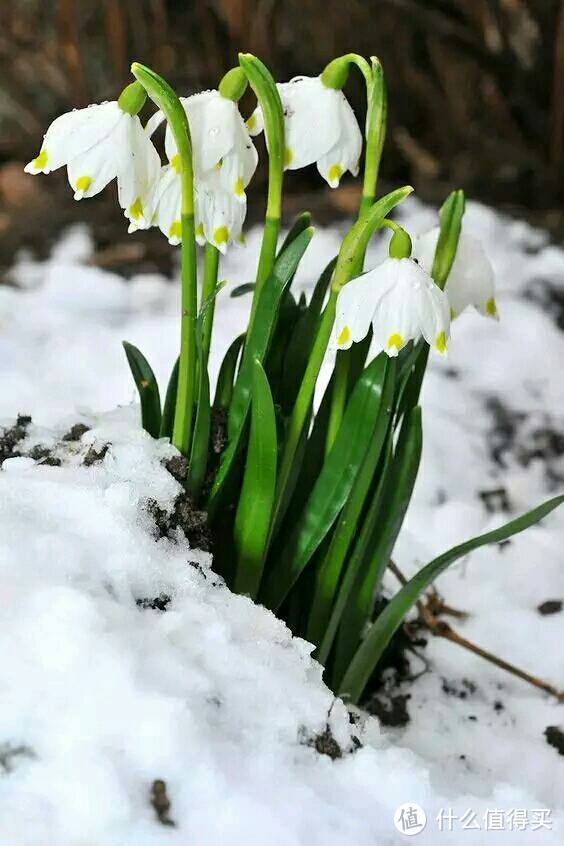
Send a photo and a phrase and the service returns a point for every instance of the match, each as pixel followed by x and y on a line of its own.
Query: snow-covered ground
pixel 100 697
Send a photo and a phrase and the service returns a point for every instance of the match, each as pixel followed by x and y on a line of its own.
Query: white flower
pixel 220 142
pixel 401 302
pixel 471 280
pixel 98 144
pixel 320 127
pixel 219 215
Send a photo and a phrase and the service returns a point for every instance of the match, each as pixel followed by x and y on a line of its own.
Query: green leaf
pixel 256 347
pixel 241 290
pixel 450 217
pixel 201 437
pixel 148 389
pixel 167 420
pixel 301 341
pixel 359 553
pixel 387 623
pixel 397 495
pixel 254 512
pixel 332 487
pixel 263 327
pixel 301 222
pixel 329 573
pixel 226 376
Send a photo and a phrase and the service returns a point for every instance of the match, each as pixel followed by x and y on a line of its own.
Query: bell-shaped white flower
pixel 98 144
pixel 219 214
pixel 401 302
pixel 320 126
pixel 471 280
pixel 220 142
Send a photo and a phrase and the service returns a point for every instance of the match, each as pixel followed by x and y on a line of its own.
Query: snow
pixel 100 697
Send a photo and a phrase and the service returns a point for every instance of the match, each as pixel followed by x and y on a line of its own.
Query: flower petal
pixel 74 133
pixel 345 153
pixel 311 113
pixel 167 204
pixel 138 173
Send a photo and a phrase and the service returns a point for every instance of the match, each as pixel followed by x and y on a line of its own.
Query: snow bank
pixel 101 694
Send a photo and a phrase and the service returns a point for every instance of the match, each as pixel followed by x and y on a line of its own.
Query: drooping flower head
pixel 471 280
pixel 320 127
pixel 98 144
pixel 224 160
pixel 401 302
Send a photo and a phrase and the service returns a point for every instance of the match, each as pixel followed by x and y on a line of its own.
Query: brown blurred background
pixel 476 96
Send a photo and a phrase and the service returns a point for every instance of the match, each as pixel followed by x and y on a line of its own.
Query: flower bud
pixel 233 84
pixel 132 98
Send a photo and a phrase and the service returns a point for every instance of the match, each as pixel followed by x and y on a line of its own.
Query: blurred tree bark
pixel 476 86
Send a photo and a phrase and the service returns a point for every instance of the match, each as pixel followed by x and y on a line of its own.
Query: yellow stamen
pixel 175 230
pixel 136 209
pixel 251 123
pixel 491 308
pixel 334 174
pixel 441 343
pixel 83 183
pixel 239 188
pixel 344 336
pixel 396 341
pixel 41 160
pixel 288 156
pixel 221 235
pixel 176 162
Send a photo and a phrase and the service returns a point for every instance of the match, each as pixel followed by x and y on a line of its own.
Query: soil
pixel 12 436
pixel 161 802
pixel 555 737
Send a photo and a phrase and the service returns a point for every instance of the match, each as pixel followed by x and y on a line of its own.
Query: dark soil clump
pixel 76 432
pixel 159 603
pixel 43 455
pixel 555 737
pixel 11 437
pixel 95 456
pixel 161 802
pixel 391 710
pixel 185 515
pixel 550 606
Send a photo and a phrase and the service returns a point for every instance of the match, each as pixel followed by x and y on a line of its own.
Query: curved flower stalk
pixel 320 127
pixel 471 280
pixel 400 300
pixel 100 143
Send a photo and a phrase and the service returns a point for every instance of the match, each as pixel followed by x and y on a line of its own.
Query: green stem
pixel 356 240
pixel 266 92
pixel 209 285
pixel 374 134
pixel 304 399
pixel 167 100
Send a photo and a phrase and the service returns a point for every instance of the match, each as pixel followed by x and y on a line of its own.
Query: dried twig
pixel 428 616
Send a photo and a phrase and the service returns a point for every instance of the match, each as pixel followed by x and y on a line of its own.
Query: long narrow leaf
pixel 256 347
pixel 361 549
pixel 329 573
pixel 398 491
pixel 382 630
pixel 201 437
pixel 301 222
pixel 254 513
pixel 332 488
pixel 167 420
pixel 263 327
pixel 226 375
pixel 148 389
